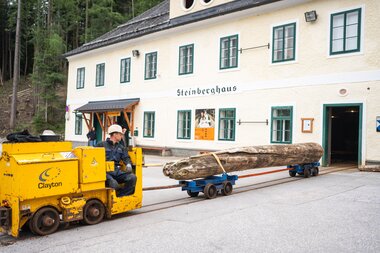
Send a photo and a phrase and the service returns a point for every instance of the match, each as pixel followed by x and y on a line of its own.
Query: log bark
pixel 238 159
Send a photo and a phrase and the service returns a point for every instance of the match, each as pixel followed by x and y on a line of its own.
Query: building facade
pixel 192 75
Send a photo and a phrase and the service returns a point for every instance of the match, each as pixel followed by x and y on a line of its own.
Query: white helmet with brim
pixel 115 129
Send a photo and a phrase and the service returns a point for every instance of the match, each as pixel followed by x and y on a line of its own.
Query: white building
pixel 196 75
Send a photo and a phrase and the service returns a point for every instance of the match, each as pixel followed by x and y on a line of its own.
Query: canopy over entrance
pixel 108 111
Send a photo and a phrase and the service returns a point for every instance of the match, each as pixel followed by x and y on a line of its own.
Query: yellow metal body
pixel 53 174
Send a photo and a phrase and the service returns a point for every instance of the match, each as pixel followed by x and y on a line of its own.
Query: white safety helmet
pixel 115 129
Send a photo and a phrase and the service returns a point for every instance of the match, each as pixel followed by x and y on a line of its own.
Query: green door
pixel 98 129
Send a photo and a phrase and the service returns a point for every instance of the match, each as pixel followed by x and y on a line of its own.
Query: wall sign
pixel 378 124
pixel 204 124
pixel 307 125
pixel 207 91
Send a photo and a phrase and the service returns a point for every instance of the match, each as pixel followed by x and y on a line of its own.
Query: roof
pixel 157 19
pixel 108 105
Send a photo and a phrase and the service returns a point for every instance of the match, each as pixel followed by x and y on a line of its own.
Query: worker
pixel 116 152
pixel 91 136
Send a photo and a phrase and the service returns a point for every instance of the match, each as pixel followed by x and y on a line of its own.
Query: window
pixel 281 128
pixel 227 124
pixel 149 124
pixel 80 78
pixel 345 32
pixel 228 52
pixel 187 4
pixel 125 70
pixel 186 59
pixel 284 43
pixel 183 124
pixel 151 65
pixel 78 123
pixel 100 68
pixel 206 1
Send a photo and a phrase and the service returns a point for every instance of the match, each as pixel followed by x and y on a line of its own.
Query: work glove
pixel 128 168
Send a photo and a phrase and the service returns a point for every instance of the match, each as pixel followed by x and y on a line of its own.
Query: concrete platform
pixel 338 211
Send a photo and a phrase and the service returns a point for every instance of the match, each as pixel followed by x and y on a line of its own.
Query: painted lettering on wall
pixel 217 90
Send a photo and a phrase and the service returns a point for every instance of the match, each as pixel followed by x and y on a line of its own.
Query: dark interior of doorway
pixel 344 134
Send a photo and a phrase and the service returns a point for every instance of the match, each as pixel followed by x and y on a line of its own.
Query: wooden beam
pixel 127 120
pixel 100 121
pixel 87 121
pixel 133 120
pixel 91 119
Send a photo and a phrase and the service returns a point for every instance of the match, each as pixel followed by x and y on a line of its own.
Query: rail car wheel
pixel 30 226
pixel 227 188
pixel 292 173
pixel 210 191
pixel 192 194
pixel 93 212
pixel 315 171
pixel 306 172
pixel 45 221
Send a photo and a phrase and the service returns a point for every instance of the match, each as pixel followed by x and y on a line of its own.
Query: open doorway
pixel 98 128
pixel 342 134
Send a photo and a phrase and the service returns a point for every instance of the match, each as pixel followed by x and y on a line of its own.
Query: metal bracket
pixel 241 122
pixel 249 48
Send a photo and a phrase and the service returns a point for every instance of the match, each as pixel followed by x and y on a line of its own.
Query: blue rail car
pixel 210 185
pixel 306 170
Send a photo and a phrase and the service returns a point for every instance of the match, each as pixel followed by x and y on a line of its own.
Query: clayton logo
pixel 47 178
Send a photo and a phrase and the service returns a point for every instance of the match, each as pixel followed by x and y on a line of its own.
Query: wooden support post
pixel 91 120
pixel 127 120
pixel 86 121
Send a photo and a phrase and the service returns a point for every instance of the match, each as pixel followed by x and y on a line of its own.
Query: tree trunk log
pixel 237 159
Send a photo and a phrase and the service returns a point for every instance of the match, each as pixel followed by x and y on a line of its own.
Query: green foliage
pixel 49 29
pixel 102 18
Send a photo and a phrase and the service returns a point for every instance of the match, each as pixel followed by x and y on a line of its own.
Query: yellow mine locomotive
pixel 45 183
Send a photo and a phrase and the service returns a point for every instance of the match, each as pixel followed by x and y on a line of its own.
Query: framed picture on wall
pixel 307 125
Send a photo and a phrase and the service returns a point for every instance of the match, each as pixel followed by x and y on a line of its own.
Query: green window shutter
pixel 184 124
pixel 282 124
pixel 149 124
pixel 125 70
pixel 229 52
pixel 345 32
pixel 100 69
pixel 227 124
pixel 186 59
pixel 150 65
pixel 78 123
pixel 80 78
pixel 284 43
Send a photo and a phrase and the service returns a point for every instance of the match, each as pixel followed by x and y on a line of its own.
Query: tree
pixel 49 29
pixel 16 68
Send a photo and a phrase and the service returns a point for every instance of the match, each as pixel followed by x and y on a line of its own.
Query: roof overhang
pixel 108 105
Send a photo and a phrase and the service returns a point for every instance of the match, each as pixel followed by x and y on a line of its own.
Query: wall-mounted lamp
pixel 311 16
pixel 135 53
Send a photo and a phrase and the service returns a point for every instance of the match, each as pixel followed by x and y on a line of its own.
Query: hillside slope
pixel 24 116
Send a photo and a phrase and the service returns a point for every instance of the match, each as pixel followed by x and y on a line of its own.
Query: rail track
pixel 237 190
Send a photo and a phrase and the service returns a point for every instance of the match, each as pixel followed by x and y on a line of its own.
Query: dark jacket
pixel 91 135
pixel 115 152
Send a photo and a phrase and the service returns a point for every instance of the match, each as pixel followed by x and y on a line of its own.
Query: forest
pixel 48 29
